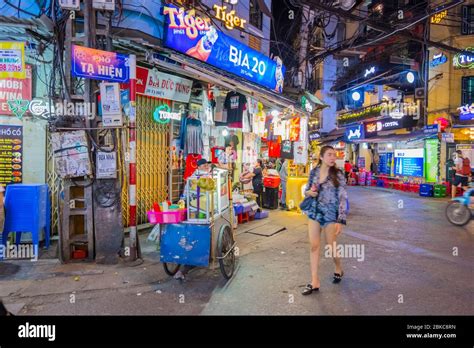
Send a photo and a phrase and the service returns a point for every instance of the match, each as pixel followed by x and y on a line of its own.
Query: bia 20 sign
pixel 195 36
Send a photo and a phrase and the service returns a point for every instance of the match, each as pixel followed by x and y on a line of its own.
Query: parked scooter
pixel 459 211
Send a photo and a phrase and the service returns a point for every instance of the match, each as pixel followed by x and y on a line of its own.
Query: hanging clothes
pixel 250 154
pixel 286 149
pixel 191 165
pixel 295 129
pixel 304 129
pixel 274 149
pixel 258 124
pixel 279 127
pixel 220 114
pixel 235 104
pixel 300 152
pixel 191 139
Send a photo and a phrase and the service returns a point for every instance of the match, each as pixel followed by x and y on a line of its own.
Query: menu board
pixel 385 163
pixel 11 154
pixel 409 162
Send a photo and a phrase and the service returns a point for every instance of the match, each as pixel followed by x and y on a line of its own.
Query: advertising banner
pixel 12 89
pixel 12 60
pixel 166 86
pixel 385 163
pixel 195 36
pixel 11 154
pixel 95 64
pixel 431 163
pixel 409 162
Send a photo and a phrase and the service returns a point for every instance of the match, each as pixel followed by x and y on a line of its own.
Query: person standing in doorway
pixel 283 178
pixel 462 167
pixel 326 214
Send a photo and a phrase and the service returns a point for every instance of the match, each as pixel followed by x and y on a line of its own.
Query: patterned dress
pixel 330 206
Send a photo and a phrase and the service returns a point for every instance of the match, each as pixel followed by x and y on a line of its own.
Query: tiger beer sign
pixel 195 36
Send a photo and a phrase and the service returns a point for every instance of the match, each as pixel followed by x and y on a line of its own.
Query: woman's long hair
pixel 333 171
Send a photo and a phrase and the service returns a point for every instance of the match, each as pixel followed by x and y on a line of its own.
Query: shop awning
pixel 316 101
pixel 208 73
pixel 333 136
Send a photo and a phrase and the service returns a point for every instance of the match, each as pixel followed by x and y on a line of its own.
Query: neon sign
pixel 466 112
pixel 438 17
pixel 464 61
pixel 369 71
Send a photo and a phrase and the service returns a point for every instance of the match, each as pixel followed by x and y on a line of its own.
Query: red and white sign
pixel 158 84
pixel 15 89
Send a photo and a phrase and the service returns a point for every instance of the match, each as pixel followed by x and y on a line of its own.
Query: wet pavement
pixel 402 257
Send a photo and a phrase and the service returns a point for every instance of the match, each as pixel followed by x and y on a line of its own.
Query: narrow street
pixel 411 261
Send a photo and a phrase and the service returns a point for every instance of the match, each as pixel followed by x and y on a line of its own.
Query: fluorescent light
pixel 356 96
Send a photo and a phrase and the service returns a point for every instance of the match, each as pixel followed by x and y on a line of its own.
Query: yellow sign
pixel 12 60
pixel 438 17
pixel 230 19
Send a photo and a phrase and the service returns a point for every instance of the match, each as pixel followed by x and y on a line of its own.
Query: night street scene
pixel 237 162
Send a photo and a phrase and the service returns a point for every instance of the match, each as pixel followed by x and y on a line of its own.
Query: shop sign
pixel 95 64
pixel 438 59
pixel 431 129
pixel 409 162
pixel 166 86
pixel 163 114
pixel 194 36
pixel 466 113
pixel 355 133
pixel 11 154
pixel 431 163
pixel 12 89
pixel 314 136
pixel 447 137
pixel 391 124
pixel 438 17
pixel 370 129
pixel 230 19
pixel 399 110
pixel 12 60
pixel 463 60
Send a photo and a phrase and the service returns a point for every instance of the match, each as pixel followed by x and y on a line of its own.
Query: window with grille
pixel 467 96
pixel 256 15
pixel 255 42
pixel 467 26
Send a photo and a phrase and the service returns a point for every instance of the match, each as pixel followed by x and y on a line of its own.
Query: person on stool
pixel 462 166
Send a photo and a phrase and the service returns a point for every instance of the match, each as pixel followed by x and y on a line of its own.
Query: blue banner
pixel 195 36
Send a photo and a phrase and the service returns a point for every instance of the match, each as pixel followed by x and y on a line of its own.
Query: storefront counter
pixel 295 187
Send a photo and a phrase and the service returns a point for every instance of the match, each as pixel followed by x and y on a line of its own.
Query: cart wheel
pixel 225 252
pixel 171 268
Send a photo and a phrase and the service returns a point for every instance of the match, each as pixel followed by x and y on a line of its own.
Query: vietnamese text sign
pixel 195 36
pixel 409 162
pixel 431 163
pixel 12 60
pixel 106 165
pixel 99 65
pixel 11 154
pixel 166 86
pixel 14 89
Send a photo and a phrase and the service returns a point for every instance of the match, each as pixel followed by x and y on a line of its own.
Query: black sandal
pixel 309 290
pixel 338 277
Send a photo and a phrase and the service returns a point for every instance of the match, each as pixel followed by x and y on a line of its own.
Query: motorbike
pixel 459 211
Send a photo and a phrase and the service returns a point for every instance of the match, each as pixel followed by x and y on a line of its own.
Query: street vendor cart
pixel 204 237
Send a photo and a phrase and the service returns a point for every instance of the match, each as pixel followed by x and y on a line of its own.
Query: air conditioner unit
pixel 105 5
pixel 70 4
pixel 419 93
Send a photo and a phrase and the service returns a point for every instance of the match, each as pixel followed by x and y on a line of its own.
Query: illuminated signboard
pixel 163 114
pixel 438 59
pixel 354 133
pixel 369 71
pixel 409 162
pixel 464 61
pixel 438 17
pixel 196 37
pixel 466 113
pixel 230 19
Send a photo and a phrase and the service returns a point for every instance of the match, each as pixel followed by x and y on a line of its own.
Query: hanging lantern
pixel 442 122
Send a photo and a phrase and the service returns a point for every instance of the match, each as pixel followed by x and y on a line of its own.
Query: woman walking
pixel 326 213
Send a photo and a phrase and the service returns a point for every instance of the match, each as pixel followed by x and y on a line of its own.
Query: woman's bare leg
pixel 314 232
pixel 330 232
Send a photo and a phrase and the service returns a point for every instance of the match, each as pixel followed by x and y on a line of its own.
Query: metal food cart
pixel 206 236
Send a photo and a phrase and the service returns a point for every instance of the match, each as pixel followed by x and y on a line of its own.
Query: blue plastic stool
pixel 27 209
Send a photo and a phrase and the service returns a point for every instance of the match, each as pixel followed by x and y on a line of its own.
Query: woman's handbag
pixel 307 203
